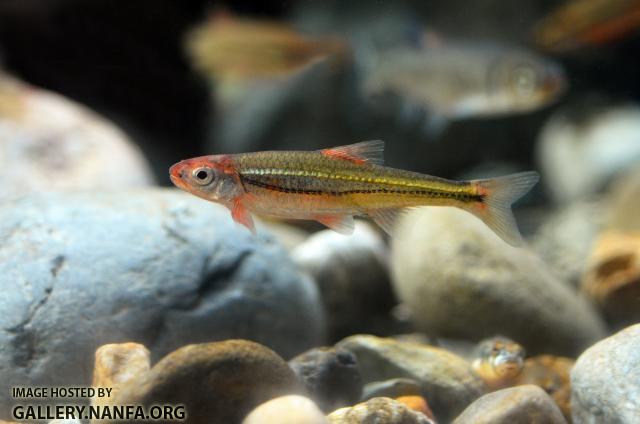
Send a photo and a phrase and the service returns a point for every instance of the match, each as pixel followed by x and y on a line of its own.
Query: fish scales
pixel 333 185
pixel 344 183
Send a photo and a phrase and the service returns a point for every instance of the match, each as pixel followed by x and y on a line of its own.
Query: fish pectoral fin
pixel 364 152
pixel 241 215
pixel 343 224
pixel 386 218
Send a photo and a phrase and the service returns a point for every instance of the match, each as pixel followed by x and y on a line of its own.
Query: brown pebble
pixel 612 279
pixel 218 382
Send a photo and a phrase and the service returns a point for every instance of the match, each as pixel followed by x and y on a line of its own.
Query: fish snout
pixel 177 173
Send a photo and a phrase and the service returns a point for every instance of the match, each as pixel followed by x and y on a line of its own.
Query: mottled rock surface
pixel 218 382
pixel 157 267
pixel 378 410
pixel 353 277
pixel 523 404
pixel 48 142
pixel 460 280
pixel 291 409
pixel 330 375
pixel 445 379
pixel 605 380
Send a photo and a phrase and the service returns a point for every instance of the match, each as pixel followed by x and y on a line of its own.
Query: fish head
pixel 213 178
pixel 502 355
pixel 507 358
pixel 521 81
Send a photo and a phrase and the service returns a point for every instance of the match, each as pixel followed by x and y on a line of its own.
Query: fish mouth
pixel 176 174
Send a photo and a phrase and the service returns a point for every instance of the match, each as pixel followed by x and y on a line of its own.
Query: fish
pixel 460 80
pixel 333 185
pixel 235 49
pixel 581 23
pixel 498 361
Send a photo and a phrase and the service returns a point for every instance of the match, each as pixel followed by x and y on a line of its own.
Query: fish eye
pixel 202 176
pixel 524 81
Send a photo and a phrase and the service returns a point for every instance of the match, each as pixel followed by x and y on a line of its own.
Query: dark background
pixel 126 60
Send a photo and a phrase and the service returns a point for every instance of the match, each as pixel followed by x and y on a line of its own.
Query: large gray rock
pixel 605 381
pixel 158 267
pixel 445 379
pixel 522 404
pixel 460 280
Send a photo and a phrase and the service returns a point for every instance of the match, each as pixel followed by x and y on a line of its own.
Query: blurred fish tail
pixel 498 194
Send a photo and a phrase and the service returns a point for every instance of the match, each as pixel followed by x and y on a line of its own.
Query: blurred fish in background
pixel 452 81
pixel 256 67
pixel 240 49
pixel 581 23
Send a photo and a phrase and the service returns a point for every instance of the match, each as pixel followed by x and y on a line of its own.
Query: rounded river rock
pixel 152 266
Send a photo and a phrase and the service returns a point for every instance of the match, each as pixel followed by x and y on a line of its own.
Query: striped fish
pixel 333 185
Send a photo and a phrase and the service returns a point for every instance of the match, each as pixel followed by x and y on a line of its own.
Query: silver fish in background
pixel 458 81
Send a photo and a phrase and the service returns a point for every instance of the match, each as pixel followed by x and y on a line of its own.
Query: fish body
pixel 457 81
pixel 580 23
pixel 238 49
pixel 334 185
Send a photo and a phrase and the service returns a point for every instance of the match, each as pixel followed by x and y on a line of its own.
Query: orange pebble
pixel 417 403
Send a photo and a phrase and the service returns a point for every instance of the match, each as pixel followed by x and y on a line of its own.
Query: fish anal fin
pixel 385 218
pixel 363 152
pixel 343 224
pixel 241 215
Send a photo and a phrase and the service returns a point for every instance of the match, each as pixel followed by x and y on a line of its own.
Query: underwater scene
pixel 320 212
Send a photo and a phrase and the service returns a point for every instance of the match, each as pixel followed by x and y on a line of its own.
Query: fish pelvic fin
pixel 364 152
pixel 241 215
pixel 498 196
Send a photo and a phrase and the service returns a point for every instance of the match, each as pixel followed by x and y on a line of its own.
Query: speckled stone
pixel 605 381
pixel 523 404
pixel 330 375
pixel 218 382
pixel 378 410
pixel 446 379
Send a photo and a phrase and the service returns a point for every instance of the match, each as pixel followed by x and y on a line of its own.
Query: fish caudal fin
pixel 498 196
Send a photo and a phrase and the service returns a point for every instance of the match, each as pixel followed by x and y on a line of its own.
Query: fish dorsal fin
pixel 364 152
pixel 343 224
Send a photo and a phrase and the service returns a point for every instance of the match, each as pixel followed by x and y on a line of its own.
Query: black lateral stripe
pixel 431 193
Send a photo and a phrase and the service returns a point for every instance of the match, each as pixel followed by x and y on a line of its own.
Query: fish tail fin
pixel 498 194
